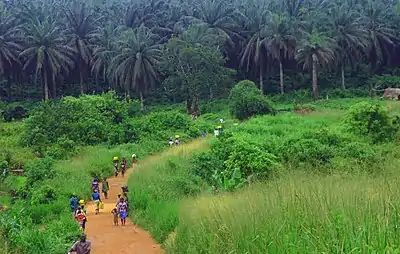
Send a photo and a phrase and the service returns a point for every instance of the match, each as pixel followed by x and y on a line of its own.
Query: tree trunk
pixel 189 106
pixel 343 84
pixel 314 77
pixel 261 80
pixel 211 93
pixel 54 86
pixel 196 105
pixel 46 85
pixel 141 101
pixel 281 76
pixel 81 82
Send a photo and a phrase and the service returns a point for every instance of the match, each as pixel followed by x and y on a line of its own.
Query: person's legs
pixel 97 204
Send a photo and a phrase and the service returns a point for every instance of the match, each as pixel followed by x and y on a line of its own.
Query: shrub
pixel 370 119
pixel 14 112
pixel 39 169
pixel 88 120
pixel 246 101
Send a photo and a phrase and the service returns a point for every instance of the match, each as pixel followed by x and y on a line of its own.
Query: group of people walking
pixel 173 142
pixel 121 207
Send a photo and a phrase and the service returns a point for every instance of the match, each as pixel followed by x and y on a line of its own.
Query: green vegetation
pixel 142 68
pixel 313 183
pixel 186 51
pixel 74 139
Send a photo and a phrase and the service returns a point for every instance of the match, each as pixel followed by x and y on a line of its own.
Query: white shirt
pixel 216 132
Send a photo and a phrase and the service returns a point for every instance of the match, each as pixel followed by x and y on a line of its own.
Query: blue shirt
pixel 96 196
pixel 73 203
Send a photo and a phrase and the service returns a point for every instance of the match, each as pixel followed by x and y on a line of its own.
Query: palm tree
pixel 82 29
pixel 316 50
pixel 382 37
pixel 200 35
pixel 219 15
pixel 103 52
pixel 46 52
pixel 280 42
pixel 254 53
pixel 349 34
pixel 134 66
pixel 10 43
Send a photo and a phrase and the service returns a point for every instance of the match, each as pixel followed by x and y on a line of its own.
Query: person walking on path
pixel 73 203
pixel 83 246
pixel 134 159
pixel 115 215
pixel 116 171
pixel 96 200
pixel 123 166
pixel 95 184
pixel 105 188
pixel 81 217
pixel 122 207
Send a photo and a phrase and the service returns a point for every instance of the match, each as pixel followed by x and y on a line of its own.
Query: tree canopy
pixel 49 49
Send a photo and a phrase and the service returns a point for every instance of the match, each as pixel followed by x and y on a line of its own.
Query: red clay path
pixel 109 239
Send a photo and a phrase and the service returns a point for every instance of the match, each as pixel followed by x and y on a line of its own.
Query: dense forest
pixel 176 50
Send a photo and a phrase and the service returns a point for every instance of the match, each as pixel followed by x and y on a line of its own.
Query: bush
pixel 38 170
pixel 246 101
pixel 14 112
pixel 372 120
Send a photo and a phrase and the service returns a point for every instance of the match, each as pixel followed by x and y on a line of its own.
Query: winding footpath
pixel 129 239
pixel 109 239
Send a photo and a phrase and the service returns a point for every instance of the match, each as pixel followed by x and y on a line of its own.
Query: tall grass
pixel 299 213
pixel 157 186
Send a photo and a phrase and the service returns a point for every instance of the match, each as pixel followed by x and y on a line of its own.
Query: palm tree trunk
pixel 54 86
pixel 261 80
pixel 46 85
pixel 81 82
pixel 343 84
pixel 196 105
pixel 141 101
pixel 314 76
pixel 189 106
pixel 281 76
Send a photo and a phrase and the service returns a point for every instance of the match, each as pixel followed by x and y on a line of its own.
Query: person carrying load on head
pixel 177 141
pixel 219 127
pixel 115 160
pixel 134 159
pixel 123 166
pixel 216 132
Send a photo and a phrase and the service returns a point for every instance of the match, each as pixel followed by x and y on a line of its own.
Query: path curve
pixel 109 239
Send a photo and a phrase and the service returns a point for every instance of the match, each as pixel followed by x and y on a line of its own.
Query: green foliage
pixel 371 119
pixel 38 170
pixel 158 186
pixel 87 120
pixel 384 81
pixel 193 71
pixel 14 112
pixel 246 101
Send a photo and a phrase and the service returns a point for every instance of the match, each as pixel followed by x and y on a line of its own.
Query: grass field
pixel 346 206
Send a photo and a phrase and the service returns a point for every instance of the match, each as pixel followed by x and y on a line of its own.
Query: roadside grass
pixel 297 213
pixel 157 186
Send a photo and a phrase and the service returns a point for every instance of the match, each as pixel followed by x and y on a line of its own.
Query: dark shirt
pixel 73 202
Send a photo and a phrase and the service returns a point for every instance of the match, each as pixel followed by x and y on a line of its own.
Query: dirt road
pixel 109 239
